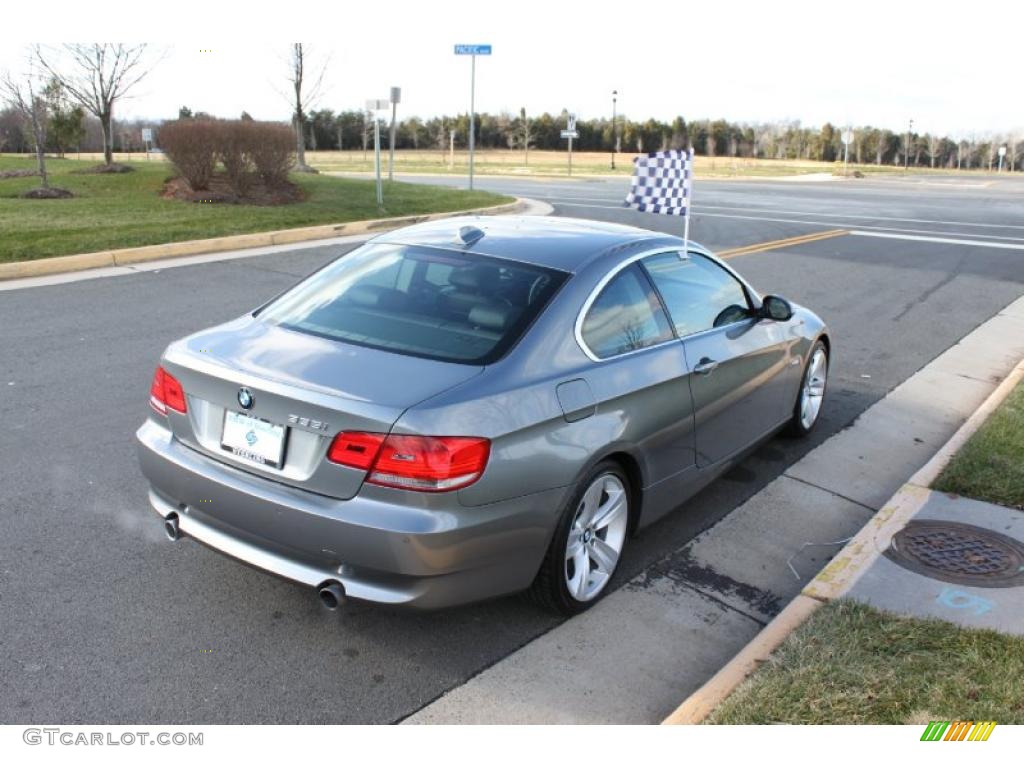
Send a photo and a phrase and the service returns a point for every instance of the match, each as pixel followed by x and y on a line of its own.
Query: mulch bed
pixel 21 173
pixel 104 168
pixel 220 192
pixel 51 193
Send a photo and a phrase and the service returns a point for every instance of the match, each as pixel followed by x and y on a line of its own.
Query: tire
pixel 571 580
pixel 812 392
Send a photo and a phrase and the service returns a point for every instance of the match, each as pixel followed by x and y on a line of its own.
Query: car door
pixel 739 361
pixel 639 381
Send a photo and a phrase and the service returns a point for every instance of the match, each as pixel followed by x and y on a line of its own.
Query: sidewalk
pixel 651 644
pixel 942 568
pixel 956 559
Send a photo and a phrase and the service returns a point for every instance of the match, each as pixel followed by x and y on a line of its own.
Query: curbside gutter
pixel 842 571
pixel 123 256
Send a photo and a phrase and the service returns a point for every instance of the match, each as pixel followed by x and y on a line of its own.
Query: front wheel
pixel 587 544
pixel 812 393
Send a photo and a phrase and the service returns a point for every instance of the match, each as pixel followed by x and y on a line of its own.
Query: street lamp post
pixel 906 149
pixel 615 141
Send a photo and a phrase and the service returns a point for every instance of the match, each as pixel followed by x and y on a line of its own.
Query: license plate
pixel 253 439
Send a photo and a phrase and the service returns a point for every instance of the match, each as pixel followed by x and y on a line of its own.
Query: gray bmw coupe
pixel 473 407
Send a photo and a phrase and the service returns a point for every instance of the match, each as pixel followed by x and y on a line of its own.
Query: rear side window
pixel 698 293
pixel 625 316
pixel 444 305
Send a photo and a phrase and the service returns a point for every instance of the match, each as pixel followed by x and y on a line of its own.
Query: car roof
pixel 547 241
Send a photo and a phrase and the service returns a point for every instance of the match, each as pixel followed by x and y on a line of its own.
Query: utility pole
pixel 615 132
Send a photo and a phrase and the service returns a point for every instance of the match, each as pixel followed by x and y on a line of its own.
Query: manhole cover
pixel 959 553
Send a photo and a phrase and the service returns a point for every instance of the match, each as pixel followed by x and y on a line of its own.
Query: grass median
pixel 990 466
pixel 122 210
pixel 852 664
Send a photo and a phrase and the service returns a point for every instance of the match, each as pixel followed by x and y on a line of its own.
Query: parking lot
pixel 104 620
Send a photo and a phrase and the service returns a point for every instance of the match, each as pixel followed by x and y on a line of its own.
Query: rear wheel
pixel 812 393
pixel 587 544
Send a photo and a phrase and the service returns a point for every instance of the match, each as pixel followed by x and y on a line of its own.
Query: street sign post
pixel 847 137
pixel 1002 154
pixel 472 51
pixel 396 96
pixel 373 106
pixel 147 139
pixel 570 133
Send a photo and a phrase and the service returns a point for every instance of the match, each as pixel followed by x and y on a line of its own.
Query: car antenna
pixel 469 235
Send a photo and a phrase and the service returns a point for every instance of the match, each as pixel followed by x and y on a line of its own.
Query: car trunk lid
pixel 305 390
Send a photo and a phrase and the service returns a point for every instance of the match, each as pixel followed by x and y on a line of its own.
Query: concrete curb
pixel 123 256
pixel 842 571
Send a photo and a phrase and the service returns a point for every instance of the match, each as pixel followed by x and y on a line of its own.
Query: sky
pixel 953 71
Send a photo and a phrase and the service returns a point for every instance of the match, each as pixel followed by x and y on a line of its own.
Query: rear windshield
pixel 444 305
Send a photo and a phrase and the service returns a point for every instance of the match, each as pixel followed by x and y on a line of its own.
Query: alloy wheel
pixel 596 537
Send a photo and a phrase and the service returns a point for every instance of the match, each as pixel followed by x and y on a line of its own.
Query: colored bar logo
pixel 958 730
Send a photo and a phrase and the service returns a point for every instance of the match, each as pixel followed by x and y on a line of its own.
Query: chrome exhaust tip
pixel 331 594
pixel 171 527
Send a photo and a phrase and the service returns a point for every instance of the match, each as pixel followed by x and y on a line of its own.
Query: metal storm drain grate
pixel 959 553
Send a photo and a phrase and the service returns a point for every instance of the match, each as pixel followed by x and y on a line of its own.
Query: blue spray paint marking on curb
pixel 961 600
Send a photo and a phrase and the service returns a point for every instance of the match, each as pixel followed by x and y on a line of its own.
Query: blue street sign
pixel 472 50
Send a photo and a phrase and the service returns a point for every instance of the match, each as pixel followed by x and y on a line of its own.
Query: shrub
pixel 274 153
pixel 247 149
pixel 237 142
pixel 192 146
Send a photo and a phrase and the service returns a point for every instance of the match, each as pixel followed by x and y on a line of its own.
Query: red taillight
pixel 166 392
pixel 412 461
pixel 355 449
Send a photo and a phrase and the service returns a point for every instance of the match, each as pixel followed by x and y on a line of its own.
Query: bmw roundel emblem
pixel 245 398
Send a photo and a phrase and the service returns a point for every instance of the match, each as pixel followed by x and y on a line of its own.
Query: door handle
pixel 705 366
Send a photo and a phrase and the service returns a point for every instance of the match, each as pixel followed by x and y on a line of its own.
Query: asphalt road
pixel 103 620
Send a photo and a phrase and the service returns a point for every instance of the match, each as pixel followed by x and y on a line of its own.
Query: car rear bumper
pixel 383 545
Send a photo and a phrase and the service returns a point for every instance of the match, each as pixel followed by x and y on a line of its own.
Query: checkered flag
pixel 662 182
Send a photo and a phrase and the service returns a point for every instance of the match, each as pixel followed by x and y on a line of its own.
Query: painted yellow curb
pixel 927 474
pixel 836 578
pixel 123 256
pixel 701 703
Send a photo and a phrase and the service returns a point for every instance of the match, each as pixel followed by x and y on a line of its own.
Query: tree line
pixel 788 140
pixel 78 85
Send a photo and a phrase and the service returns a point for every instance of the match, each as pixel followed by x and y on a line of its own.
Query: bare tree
pixel 934 145
pixel 306 82
pixel 520 137
pixel 26 97
pixel 97 76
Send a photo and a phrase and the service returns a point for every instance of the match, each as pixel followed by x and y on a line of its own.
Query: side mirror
pixel 776 308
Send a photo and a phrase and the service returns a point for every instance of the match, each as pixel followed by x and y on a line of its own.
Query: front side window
pixel 625 316
pixel 445 305
pixel 698 293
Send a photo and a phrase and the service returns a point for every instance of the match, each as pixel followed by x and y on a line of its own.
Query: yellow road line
pixel 772 245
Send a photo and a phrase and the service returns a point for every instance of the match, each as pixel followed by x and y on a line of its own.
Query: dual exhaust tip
pixel 331 593
pixel 171 527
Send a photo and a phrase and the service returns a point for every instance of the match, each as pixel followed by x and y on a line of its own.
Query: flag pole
pixel 688 187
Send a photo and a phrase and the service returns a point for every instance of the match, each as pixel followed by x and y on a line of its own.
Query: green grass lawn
pixel 990 466
pixel 850 663
pixel 125 210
